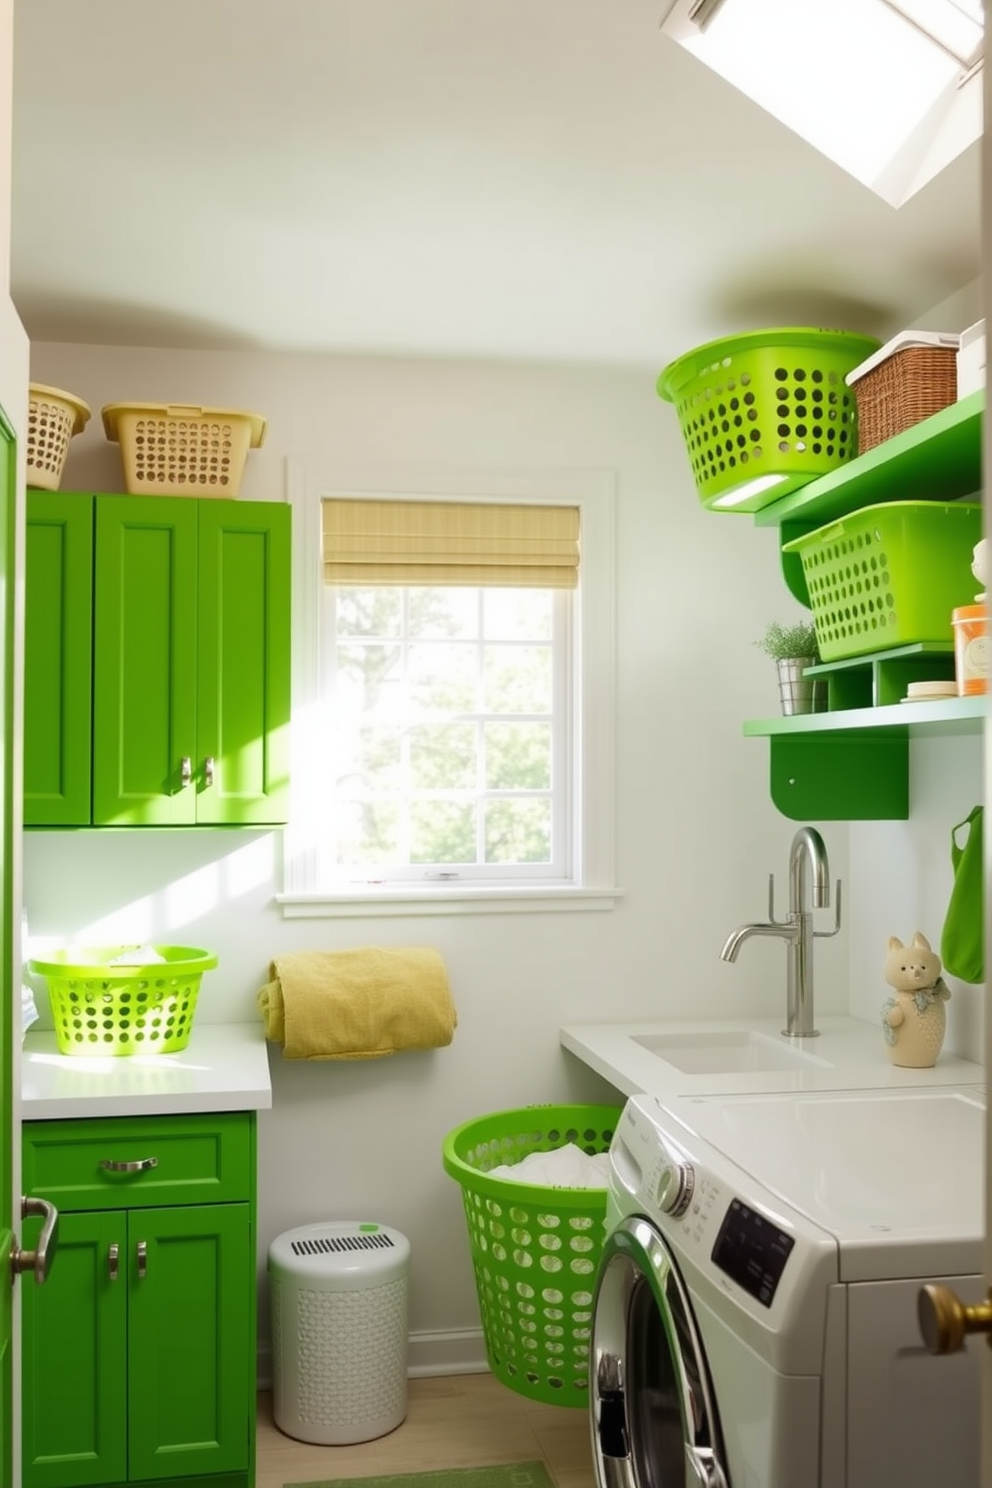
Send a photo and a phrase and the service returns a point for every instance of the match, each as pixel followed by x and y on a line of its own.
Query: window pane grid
pixel 444 741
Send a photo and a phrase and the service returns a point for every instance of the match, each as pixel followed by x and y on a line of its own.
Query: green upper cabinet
pixel 184 606
pixel 58 666
pixel 243 694
pixel 144 662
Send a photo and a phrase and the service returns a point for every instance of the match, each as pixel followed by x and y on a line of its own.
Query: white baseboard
pixel 460 1352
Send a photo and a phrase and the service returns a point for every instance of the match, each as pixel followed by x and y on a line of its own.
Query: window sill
pixel 367 903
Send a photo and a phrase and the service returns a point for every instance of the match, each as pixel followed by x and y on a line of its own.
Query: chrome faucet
pixel 809 889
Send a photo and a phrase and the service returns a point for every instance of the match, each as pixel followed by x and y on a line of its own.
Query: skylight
pixel 890 90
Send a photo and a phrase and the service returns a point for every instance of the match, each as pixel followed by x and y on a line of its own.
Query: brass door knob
pixel 945 1321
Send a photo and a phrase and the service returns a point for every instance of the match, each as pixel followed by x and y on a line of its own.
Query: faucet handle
pixel 827 934
pixel 771 902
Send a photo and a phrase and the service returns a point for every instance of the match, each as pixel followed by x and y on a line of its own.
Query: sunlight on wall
pixel 160 916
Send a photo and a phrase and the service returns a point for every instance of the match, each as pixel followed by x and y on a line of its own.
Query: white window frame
pixel 592 886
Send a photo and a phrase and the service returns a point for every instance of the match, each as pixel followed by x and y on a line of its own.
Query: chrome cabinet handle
pixel 141 1165
pixel 41 1258
pixel 142 1259
pixel 186 772
pixel 113 1261
pixel 208 770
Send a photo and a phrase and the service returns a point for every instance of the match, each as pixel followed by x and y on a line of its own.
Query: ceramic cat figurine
pixel 913 1021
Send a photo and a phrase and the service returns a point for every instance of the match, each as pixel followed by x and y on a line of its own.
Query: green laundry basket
pixel 105 1005
pixel 889 575
pixel 766 412
pixel 535 1250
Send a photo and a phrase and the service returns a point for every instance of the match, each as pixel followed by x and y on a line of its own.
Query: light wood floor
pixel 467 1420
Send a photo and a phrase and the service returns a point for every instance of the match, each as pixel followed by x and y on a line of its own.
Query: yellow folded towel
pixel 358 1004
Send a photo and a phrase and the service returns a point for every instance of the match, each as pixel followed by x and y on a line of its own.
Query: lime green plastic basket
pixel 889 575
pixel 142 1008
pixel 766 412
pixel 535 1250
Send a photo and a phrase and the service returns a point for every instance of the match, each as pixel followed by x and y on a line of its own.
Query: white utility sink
pixel 750 1056
pixel 728 1051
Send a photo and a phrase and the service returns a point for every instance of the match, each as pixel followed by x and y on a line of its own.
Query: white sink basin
pixel 728 1051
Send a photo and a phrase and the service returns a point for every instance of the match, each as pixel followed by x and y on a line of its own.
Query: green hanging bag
pixel 962 944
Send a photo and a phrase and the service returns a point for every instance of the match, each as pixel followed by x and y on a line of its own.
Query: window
pixel 452 718
pixel 890 90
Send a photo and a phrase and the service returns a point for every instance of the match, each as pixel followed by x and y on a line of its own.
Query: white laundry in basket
pixel 565 1167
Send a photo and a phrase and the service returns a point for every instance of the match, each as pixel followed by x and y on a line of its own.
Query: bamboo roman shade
pixel 450 542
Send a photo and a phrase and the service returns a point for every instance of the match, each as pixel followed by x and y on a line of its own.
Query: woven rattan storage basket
pixel 176 450
pixel 903 384
pixel 535 1250
pixel 54 417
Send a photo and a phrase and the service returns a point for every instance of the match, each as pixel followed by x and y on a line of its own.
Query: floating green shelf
pixel 854 765
pixel 940 458
pixel 852 762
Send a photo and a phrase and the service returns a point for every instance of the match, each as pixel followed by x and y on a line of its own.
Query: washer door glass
pixel 654 1422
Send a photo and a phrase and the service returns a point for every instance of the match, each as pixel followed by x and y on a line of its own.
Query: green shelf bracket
pixel 841 777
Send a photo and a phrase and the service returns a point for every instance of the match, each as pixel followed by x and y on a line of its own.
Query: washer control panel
pixel 673 1190
pixel 752 1251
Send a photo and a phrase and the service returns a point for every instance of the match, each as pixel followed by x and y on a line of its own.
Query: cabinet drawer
pixel 187 1160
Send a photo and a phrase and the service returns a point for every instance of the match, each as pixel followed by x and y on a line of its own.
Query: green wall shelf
pixel 882 677
pixel 853 765
pixel 940 457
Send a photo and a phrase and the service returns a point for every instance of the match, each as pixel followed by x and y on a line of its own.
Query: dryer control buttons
pixel 675 1184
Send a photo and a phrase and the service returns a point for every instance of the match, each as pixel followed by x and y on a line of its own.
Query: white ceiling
pixel 544 180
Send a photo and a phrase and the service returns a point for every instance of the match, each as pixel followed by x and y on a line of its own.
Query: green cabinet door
pixel 190 1341
pixel 58 659
pixel 73 1358
pixel 144 668
pixel 10 754
pixel 138 1353
pixel 243 652
pixel 157 669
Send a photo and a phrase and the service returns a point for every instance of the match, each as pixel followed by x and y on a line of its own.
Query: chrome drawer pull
pixel 186 772
pixel 113 1260
pixel 208 770
pixel 142 1259
pixel 140 1166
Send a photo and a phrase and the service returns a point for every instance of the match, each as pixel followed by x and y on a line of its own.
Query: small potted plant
pixel 793 648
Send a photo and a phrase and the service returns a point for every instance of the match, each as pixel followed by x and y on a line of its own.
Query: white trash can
pixel 339 1295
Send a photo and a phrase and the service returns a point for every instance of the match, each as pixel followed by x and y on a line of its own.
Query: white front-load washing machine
pixel 755 1322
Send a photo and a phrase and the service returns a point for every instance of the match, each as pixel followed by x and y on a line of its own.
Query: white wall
pixel 902 878
pixel 696 833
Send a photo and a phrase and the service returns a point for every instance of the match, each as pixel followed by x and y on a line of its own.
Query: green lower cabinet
pixel 138 1352
pixel 74 1359
pixel 188 1339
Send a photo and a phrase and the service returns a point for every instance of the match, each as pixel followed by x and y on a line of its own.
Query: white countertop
pixel 224 1067
pixel 853 1053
